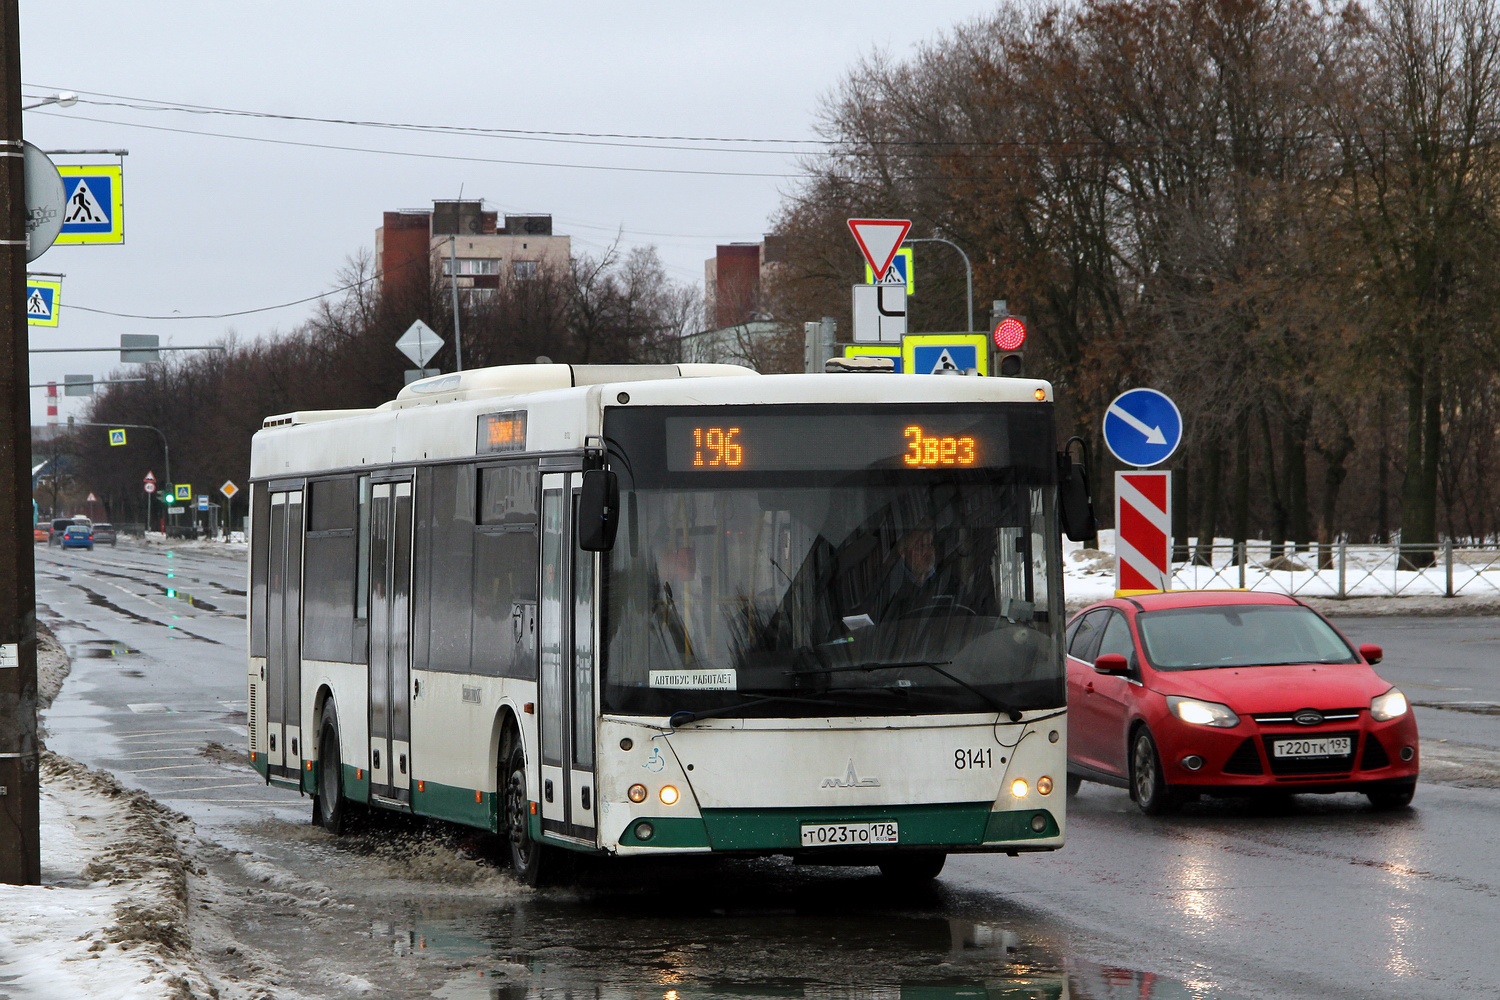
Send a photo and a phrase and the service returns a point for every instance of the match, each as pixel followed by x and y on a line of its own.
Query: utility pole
pixel 20 787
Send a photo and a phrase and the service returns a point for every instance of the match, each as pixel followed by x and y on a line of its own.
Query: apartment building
pixel 479 246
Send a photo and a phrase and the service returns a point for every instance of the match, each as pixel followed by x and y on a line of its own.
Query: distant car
pixel 104 533
pixel 1231 693
pixel 78 536
pixel 59 525
pixel 41 534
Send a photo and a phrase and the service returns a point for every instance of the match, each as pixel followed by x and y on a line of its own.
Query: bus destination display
pixel 751 442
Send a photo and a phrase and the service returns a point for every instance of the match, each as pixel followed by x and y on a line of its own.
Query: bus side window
pixel 328 590
pixel 506 545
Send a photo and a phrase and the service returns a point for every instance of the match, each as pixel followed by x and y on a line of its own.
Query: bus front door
pixel 284 635
pixel 390 642
pixel 566 669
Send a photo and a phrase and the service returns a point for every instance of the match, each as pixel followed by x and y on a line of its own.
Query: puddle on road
pixel 808 942
pixel 100 649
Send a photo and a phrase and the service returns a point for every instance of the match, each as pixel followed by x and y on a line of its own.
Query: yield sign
pixel 879 239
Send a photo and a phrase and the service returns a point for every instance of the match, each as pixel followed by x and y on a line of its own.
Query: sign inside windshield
pixel 761 442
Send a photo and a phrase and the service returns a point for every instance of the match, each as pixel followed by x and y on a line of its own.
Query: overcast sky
pixel 216 224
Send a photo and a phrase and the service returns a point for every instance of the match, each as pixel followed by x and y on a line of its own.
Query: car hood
pixel 1276 689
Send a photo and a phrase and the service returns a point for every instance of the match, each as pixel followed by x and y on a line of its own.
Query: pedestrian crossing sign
pixel 901 272
pixel 93 204
pixel 42 299
pixel 116 437
pixel 933 353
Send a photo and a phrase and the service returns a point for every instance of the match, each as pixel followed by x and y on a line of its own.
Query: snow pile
pixel 109 918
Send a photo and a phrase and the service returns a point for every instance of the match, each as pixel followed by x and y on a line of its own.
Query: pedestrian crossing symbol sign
pixel 42 298
pixel 116 437
pixel 936 353
pixel 93 204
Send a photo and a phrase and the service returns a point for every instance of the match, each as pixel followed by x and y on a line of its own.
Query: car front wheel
pixel 1388 799
pixel 1148 786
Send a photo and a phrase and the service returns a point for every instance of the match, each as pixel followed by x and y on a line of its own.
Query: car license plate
pixel 1328 746
pixel 848 834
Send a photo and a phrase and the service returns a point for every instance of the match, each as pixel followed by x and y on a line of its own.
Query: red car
pixel 1231 693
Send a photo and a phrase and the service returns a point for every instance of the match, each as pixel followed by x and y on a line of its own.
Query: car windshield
pixel 1239 635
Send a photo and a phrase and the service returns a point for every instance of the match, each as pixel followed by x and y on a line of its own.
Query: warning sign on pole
pixel 1143 532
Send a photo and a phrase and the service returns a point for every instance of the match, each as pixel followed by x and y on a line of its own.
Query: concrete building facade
pixel 413 246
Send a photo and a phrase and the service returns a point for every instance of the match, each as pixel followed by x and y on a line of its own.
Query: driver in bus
pixel 919 585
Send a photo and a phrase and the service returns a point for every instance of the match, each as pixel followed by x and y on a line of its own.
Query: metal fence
pixel 1342 570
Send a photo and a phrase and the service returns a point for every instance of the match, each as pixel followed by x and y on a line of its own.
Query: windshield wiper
pixel 934 665
pixel 682 718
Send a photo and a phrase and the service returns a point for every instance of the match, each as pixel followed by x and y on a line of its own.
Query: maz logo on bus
pixel 851 779
pixel 925 452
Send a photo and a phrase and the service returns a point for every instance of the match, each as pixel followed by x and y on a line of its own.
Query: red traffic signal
pixel 1010 334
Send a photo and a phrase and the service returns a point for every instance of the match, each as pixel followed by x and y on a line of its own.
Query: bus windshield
pixel 813 593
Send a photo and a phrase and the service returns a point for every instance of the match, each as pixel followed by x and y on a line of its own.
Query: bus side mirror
pixel 1075 504
pixel 598 511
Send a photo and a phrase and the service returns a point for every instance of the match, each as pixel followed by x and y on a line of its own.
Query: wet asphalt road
pixel 1319 898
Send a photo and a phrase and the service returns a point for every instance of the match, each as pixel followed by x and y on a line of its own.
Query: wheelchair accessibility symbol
pixel 655 763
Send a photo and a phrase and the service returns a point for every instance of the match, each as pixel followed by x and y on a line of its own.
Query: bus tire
pixel 330 808
pixel 528 859
pixel 914 867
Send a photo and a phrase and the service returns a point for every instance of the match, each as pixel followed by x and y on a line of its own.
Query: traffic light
pixel 1010 341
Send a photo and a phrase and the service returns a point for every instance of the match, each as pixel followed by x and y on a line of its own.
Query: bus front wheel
pixel 526 855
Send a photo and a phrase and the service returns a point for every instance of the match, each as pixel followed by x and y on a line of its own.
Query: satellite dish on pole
pixel 45 201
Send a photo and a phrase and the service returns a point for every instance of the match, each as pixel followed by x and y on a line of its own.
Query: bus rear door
pixel 283 677
pixel 390 641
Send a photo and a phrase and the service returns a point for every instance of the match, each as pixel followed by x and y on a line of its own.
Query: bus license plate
pixel 848 834
pixel 1329 746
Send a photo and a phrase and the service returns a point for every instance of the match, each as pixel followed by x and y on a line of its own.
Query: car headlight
pixel 1388 706
pixel 1203 713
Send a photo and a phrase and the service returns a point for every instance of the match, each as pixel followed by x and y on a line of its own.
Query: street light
pixel 64 99
pixel 968 270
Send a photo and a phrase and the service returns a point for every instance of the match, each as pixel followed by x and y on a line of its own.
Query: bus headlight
pixel 637 793
pixel 668 795
pixel 1019 788
pixel 1044 785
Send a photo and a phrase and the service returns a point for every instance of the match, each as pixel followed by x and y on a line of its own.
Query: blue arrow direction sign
pixel 42 300
pixel 1142 427
pixel 93 204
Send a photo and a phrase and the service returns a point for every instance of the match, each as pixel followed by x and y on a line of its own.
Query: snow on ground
pixel 110 917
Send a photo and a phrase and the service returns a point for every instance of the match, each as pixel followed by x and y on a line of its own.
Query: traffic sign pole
pixel 20 806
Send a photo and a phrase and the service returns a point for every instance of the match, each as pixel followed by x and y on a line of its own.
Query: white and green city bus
pixel 651 610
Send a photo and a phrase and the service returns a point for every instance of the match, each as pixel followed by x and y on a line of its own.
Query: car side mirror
pixel 1113 664
pixel 1373 654
pixel 598 510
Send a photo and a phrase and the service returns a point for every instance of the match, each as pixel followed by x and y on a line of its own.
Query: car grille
pixel 1303 765
pixel 1290 718
pixel 1244 760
